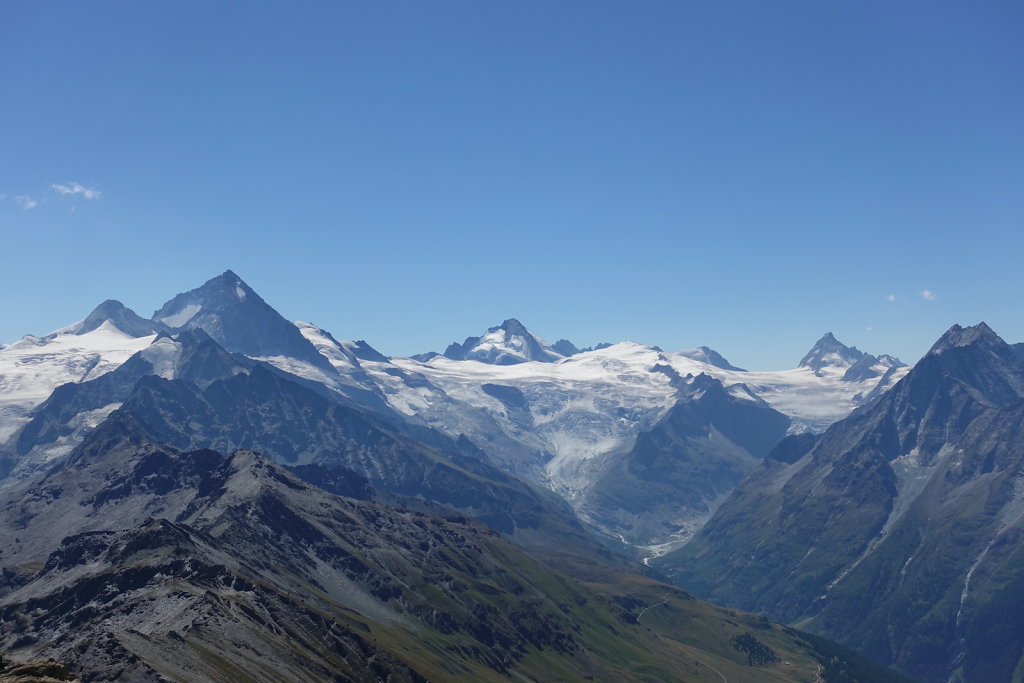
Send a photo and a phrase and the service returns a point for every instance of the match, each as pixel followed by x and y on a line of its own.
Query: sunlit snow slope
pixel 569 424
pixel 31 368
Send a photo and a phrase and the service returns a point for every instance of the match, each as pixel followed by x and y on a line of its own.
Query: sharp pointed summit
pixel 235 316
pixel 829 355
pixel 830 351
pixel 507 344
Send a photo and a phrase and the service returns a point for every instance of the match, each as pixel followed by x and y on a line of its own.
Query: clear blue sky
pixel 745 175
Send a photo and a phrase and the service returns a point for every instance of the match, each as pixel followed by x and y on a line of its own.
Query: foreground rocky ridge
pixel 195 566
pixel 38 671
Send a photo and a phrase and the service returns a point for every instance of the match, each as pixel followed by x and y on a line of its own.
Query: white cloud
pixel 25 202
pixel 890 297
pixel 869 329
pixel 927 295
pixel 76 188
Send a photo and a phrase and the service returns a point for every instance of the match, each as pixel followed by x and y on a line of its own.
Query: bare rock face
pixel 896 532
pixel 141 562
pixel 228 310
pixel 259 573
pixel 38 671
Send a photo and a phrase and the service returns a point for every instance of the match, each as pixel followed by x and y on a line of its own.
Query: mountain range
pixel 567 422
pixel 898 530
pixel 118 432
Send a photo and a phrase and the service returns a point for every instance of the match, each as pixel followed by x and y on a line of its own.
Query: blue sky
pixel 745 175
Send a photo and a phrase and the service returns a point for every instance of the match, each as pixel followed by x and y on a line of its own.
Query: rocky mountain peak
pixel 957 337
pixel 226 291
pixel 930 464
pixel 247 460
pixel 514 327
pixel 978 359
pixel 831 355
pixel 830 351
pixel 507 344
pixel 566 347
pixel 237 318
pixel 704 382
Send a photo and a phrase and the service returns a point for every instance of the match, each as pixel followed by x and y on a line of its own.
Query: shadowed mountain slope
pixel 899 530
pixel 195 566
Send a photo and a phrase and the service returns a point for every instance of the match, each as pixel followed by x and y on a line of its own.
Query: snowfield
pixel 31 368
pixel 812 400
pixel 577 409
pixel 593 404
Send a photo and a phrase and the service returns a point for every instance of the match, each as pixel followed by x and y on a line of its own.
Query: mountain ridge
pixel 888 531
pixel 828 353
pixel 234 568
pixel 506 344
pixel 558 424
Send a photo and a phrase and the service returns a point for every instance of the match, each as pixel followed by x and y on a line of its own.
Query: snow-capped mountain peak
pixel 829 351
pixel 708 355
pixel 555 414
pixel 829 356
pixel 120 316
pixel 507 344
pixel 31 368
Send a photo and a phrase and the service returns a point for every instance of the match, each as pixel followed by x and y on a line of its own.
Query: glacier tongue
pixel 575 410
pixel 561 424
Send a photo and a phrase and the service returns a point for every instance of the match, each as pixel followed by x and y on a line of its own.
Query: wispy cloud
pixel 25 202
pixel 927 295
pixel 76 188
pixel 890 297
